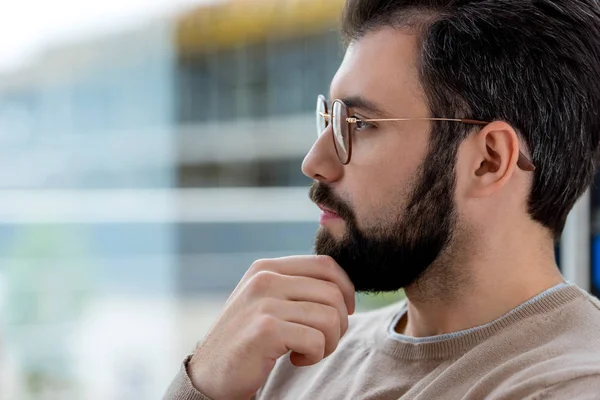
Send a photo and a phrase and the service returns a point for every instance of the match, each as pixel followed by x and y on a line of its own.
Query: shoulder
pixel 595 303
pixel 565 344
pixel 584 387
pixel 580 380
pixel 555 354
pixel 565 364
pixel 578 321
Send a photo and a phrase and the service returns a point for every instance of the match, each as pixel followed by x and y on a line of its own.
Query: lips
pixel 327 211
pixel 332 207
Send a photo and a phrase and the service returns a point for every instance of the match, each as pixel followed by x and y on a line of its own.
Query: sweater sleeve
pixel 181 388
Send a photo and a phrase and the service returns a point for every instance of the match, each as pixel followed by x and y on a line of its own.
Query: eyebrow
pixel 359 102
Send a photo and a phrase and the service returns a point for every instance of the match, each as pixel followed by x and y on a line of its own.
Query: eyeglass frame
pixel 523 161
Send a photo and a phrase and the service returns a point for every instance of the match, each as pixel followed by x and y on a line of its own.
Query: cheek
pixel 395 151
pixel 380 194
pixel 381 175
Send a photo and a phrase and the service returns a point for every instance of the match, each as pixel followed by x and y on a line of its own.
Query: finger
pixel 318 267
pixel 318 316
pixel 301 339
pixel 267 284
pixel 299 360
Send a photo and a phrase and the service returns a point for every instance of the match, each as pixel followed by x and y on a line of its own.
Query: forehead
pixel 383 68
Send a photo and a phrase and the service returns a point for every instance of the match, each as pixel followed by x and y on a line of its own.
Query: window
pixel 253 81
pixel 259 173
pixel 279 77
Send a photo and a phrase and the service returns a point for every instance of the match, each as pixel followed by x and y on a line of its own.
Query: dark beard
pixel 394 256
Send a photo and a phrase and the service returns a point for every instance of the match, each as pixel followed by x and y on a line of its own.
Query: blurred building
pixel 77 128
pixel 141 173
pixel 247 81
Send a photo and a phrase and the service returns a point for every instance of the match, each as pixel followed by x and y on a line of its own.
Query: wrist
pixel 199 379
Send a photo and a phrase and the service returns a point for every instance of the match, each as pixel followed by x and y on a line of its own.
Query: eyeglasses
pixel 344 125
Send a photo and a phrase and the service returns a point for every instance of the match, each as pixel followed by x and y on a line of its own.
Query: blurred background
pixel 150 151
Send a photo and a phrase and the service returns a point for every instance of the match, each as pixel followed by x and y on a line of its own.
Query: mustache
pixel 322 194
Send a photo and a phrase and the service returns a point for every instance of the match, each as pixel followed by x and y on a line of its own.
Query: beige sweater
pixel 547 348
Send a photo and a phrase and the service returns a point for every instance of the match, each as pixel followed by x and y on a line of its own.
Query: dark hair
pixel 532 63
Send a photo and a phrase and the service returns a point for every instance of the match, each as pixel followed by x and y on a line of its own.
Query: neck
pixel 465 289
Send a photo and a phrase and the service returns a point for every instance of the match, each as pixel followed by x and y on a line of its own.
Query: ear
pixel 492 158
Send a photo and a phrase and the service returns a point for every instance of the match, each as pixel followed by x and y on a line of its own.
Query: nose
pixel 322 163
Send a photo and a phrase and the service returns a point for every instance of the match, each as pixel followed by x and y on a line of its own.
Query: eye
pixel 362 125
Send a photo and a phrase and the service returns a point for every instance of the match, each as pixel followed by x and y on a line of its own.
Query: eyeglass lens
pixel 341 134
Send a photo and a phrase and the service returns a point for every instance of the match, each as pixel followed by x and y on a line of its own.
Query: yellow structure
pixel 236 22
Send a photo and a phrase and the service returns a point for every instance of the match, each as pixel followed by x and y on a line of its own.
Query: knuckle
pixel 266 306
pixel 266 326
pixel 260 282
pixel 258 265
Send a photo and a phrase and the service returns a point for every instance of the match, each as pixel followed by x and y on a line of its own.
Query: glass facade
pixel 83 134
pixel 277 77
pixel 272 79
pixel 119 239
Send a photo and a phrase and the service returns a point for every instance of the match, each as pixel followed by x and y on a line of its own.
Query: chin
pixel 337 231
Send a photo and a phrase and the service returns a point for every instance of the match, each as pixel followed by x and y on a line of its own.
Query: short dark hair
pixel 532 63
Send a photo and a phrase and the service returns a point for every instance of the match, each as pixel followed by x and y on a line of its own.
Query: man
pixel 466 131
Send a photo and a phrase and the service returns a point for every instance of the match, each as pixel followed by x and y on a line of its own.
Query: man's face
pixel 394 201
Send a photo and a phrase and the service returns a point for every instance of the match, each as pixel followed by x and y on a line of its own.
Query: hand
pixel 298 304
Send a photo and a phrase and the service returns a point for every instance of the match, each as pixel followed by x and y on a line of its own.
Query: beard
pixel 396 253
